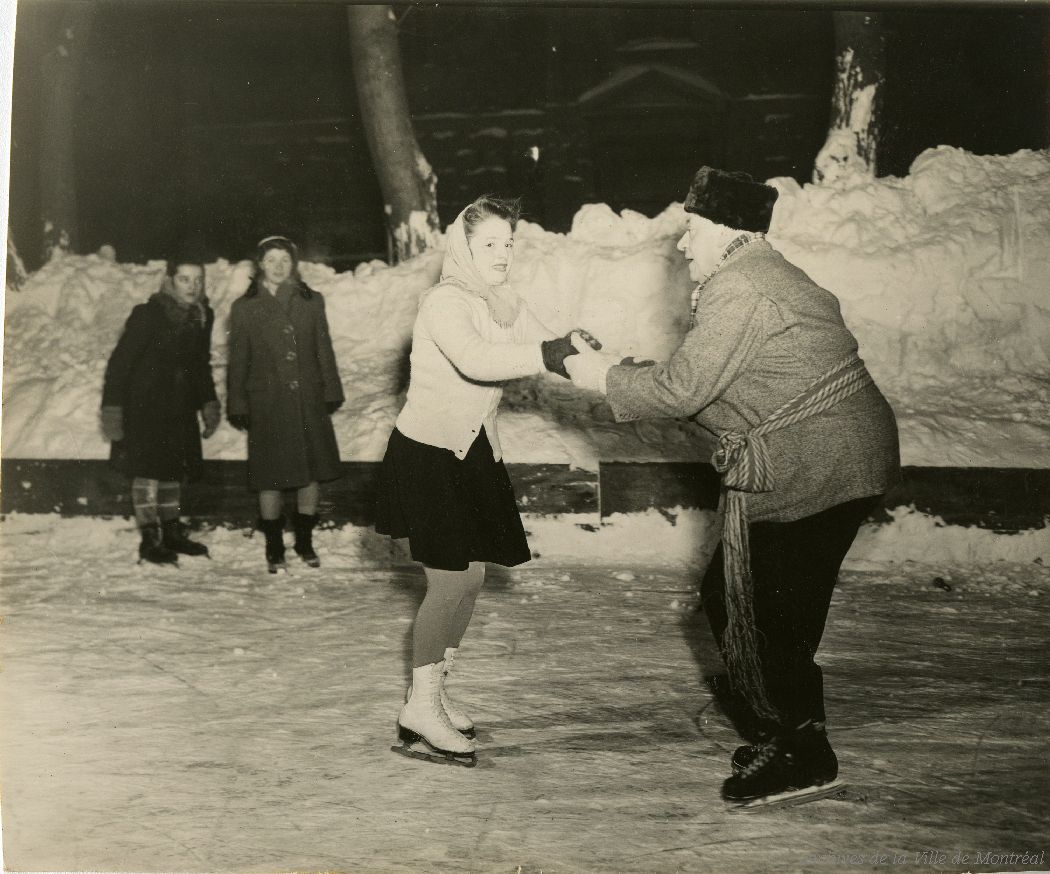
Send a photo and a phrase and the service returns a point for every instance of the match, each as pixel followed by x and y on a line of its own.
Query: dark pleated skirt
pixel 452 512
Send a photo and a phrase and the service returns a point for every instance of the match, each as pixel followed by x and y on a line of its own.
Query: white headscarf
pixel 459 269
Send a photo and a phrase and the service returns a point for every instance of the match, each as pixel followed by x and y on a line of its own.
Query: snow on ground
pixel 942 276
pixel 676 539
pixel 213 717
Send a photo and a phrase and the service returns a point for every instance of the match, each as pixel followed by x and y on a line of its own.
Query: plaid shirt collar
pixel 735 245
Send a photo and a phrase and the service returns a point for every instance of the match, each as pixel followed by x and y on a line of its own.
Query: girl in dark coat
pixel 283 386
pixel 157 379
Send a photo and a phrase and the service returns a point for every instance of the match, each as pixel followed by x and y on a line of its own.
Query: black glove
pixel 240 421
pixel 556 351
pixel 630 362
pixel 332 406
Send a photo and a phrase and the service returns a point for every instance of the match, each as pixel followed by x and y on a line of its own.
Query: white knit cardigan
pixel 460 358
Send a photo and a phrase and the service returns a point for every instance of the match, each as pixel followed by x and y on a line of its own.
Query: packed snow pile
pixel 649 539
pixel 943 277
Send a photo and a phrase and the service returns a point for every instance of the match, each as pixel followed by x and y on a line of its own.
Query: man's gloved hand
pixel 556 351
pixel 332 406
pixel 630 362
pixel 113 423
pixel 211 412
pixel 589 368
pixel 240 421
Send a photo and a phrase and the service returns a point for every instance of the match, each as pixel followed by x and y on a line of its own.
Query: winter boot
pixel 152 548
pixel 460 721
pixel 423 727
pixel 790 768
pixel 274 531
pixel 304 546
pixel 176 540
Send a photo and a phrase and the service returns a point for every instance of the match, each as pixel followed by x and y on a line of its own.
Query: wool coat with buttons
pixel 281 374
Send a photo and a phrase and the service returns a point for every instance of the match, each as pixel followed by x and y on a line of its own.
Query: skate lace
pixel 453 710
pixel 766 753
pixel 438 707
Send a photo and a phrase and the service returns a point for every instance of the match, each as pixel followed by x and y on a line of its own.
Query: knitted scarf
pixel 735 245
pixel 745 465
pixel 458 269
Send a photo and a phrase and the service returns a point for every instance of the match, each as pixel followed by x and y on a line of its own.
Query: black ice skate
pixel 788 769
pixel 273 529
pixel 304 545
pixel 176 540
pixel 744 755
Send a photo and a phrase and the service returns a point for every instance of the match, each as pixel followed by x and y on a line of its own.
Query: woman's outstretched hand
pixel 588 368
pixel 556 351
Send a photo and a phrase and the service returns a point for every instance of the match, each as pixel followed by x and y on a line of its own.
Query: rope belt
pixel 743 460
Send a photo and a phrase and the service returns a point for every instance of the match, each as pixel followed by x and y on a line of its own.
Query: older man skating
pixel 807 447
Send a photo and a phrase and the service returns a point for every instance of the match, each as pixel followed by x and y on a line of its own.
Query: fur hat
pixel 731 199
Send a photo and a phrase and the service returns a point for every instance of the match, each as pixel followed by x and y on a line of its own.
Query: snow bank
pixel 687 538
pixel 683 539
pixel 942 275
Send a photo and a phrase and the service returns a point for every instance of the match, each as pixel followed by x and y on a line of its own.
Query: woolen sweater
pixel 763 332
pixel 460 356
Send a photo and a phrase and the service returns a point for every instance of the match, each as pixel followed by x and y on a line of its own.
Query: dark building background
pixel 227 121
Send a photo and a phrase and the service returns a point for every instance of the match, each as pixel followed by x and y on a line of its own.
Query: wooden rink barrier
pixel 999 499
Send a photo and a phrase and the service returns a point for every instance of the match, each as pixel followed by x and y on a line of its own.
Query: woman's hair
pixel 179 258
pixel 278 242
pixel 486 207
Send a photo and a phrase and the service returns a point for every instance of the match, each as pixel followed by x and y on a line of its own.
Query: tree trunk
pixel 856 104
pixel 60 69
pixel 406 180
pixel 16 275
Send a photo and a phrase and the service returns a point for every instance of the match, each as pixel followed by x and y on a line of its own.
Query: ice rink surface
pixel 215 718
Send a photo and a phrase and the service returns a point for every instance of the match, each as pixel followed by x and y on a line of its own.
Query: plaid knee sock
pixel 144 500
pixel 168 501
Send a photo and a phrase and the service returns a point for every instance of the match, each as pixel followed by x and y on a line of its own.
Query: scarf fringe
pixel 745 465
pixel 740 641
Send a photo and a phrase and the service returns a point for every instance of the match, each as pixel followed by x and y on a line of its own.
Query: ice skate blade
pixel 426 753
pixel 790 799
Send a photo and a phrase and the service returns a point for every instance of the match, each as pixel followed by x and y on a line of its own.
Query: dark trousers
pixel 794 567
